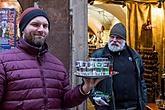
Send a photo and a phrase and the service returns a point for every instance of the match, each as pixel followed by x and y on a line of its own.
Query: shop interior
pixel 144 21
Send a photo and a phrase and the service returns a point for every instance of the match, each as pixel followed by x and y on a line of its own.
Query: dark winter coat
pixel 106 85
pixel 33 79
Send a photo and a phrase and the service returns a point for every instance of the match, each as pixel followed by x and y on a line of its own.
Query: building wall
pixel 79 34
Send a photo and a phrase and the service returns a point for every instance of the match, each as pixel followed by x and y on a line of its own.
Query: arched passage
pixel 101 17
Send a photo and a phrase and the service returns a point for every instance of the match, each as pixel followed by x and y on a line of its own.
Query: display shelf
pixel 91 48
pixel 150 61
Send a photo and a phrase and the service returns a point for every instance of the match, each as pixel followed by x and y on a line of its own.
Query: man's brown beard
pixel 39 41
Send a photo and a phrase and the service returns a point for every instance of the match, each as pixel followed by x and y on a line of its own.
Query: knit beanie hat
pixel 119 29
pixel 29 14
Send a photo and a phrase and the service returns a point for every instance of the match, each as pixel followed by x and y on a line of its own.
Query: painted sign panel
pixel 7 28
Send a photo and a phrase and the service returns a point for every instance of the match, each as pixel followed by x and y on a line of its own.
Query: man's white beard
pixel 115 48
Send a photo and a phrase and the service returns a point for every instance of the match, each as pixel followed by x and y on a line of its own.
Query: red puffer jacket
pixel 33 79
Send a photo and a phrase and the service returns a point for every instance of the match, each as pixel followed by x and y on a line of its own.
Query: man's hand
pixel 90 83
pixel 100 101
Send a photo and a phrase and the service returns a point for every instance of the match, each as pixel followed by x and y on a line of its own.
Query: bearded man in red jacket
pixel 33 79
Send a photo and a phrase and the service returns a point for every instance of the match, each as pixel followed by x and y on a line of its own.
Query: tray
pixel 102 76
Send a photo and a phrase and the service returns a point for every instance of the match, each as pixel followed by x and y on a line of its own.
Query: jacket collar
pixel 22 44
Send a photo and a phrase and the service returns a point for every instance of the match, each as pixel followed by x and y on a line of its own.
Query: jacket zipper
pixel 113 96
pixel 39 59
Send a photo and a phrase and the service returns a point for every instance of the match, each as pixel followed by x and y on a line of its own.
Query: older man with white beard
pixel 126 90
